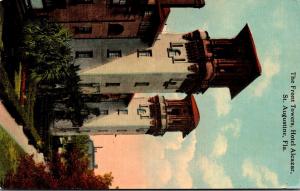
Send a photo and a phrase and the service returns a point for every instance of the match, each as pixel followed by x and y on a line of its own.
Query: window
pixel 111 84
pixel 176 44
pixel 103 112
pixel 82 1
pixel 89 85
pixel 174 111
pixel 177 122
pixel 115 29
pixel 122 111
pixel 95 111
pixel 147 13
pixel 173 52
pixel 141 84
pixel 83 54
pixel 172 83
pixel 114 53
pixel 102 130
pixel 118 2
pixel 121 130
pixel 83 30
pixel 141 130
pixel 141 111
pixel 178 60
pixel 144 53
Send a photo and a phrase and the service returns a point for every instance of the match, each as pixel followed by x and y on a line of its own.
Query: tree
pixel 79 143
pixel 56 175
pixel 46 55
pixel 46 49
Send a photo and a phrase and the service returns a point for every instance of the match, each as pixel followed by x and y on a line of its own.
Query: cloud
pixel 213 174
pixel 270 67
pixel 234 127
pixel 261 175
pixel 204 26
pixel 222 100
pixel 220 146
pixel 181 163
pixel 279 18
pixel 169 160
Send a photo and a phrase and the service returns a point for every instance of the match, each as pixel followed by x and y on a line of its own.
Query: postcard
pixel 143 94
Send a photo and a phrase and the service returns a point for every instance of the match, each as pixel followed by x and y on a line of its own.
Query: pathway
pixel 16 132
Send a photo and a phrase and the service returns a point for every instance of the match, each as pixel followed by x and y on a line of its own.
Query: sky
pixel 238 143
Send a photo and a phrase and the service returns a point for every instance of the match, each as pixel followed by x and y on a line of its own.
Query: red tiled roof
pixel 196 114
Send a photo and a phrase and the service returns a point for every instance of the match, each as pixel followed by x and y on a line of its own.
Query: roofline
pixel 258 66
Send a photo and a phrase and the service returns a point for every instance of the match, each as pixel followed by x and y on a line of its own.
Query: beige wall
pixel 129 69
pixel 113 123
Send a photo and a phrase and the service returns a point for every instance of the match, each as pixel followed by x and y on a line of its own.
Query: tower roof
pixel 195 110
pixel 245 38
pixel 196 115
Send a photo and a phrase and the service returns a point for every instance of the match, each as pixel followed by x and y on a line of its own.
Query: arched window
pixel 115 29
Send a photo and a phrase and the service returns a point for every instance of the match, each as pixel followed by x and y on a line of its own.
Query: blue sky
pixel 238 142
pixel 248 153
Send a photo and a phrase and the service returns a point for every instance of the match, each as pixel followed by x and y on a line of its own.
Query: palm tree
pixel 47 51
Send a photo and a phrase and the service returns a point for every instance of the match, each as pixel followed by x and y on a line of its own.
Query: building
pixel 120 50
pixel 110 19
pixel 145 115
pixel 188 63
pixel 112 70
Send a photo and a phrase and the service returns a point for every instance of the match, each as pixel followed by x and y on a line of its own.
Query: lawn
pixel 10 151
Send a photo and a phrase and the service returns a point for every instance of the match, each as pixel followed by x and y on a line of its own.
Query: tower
pixel 231 63
pixel 188 63
pixel 146 115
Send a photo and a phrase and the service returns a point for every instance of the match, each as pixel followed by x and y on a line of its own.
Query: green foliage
pixel 46 51
pixel 8 94
pixel 10 153
pixel 80 143
pixel 46 48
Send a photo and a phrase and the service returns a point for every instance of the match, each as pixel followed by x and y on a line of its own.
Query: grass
pixel 10 152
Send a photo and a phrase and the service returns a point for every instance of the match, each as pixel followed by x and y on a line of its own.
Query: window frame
pixel 141 84
pixel 118 2
pixel 144 53
pixel 173 52
pixel 113 53
pixel 176 44
pixel 89 53
pixel 112 84
pixel 83 29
